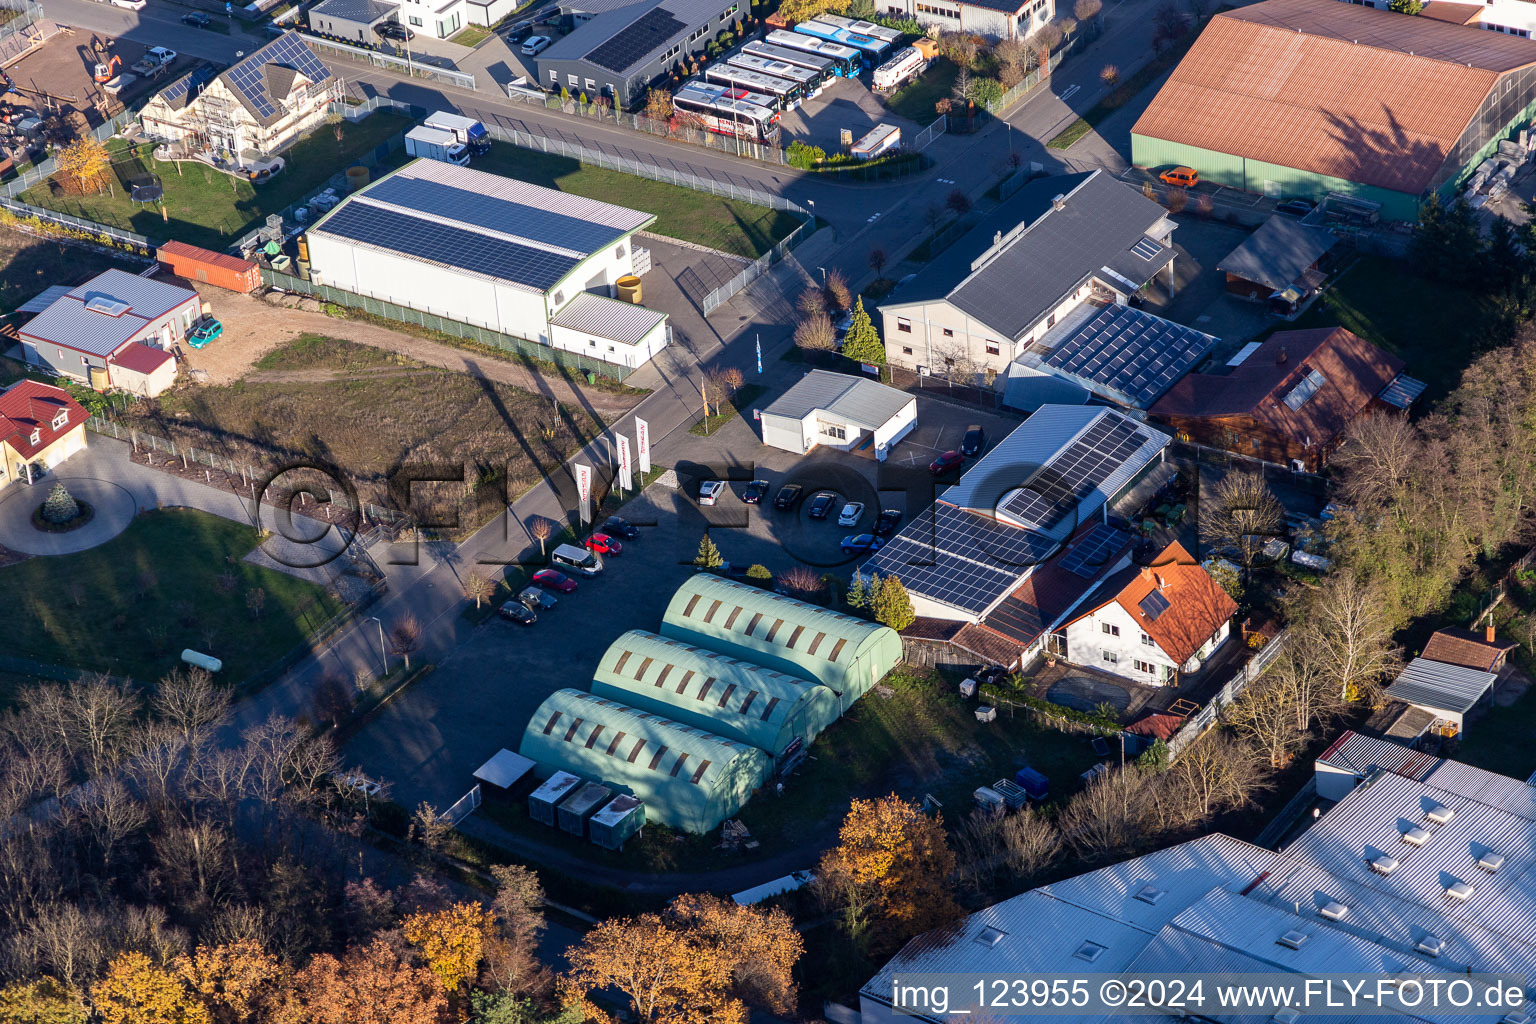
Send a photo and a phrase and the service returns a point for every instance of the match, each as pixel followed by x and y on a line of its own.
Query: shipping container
pixel 205 266
pixel 882 138
pixel 621 818
pixel 543 801
pixel 581 805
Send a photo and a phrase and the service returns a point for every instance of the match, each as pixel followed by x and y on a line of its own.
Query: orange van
pixel 1184 177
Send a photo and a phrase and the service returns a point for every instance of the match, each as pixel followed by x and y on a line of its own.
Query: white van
pixel 578 560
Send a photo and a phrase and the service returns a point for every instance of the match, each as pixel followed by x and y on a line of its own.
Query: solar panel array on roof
pixel 1147 248
pixel 1154 604
pixel 648 32
pixel 494 213
pixel 179 88
pixel 448 245
pixel 1090 554
pixel 1136 354
pixel 1056 490
pixel 249 76
pixel 1305 389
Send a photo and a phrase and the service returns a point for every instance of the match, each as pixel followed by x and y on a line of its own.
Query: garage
pixel 835 410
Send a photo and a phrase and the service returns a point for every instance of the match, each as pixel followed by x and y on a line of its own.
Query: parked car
pixel 974 441
pixel 396 31
pixel 197 19
pixel 536 45
pixel 946 463
pixel 754 491
pixel 1295 207
pixel 821 505
pixel 709 491
pixel 603 544
pixel 361 783
pixel 132 5
pixel 788 497
pixel 204 332
pixel 538 600
pixel 886 523
pixel 852 512
pixel 516 611
pixel 1184 177
pixel 614 526
pixel 862 544
pixel 517 33
pixel 553 580
pixel 160 55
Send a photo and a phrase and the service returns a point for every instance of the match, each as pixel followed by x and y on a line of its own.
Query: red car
pixel 603 544
pixel 552 580
pixel 950 460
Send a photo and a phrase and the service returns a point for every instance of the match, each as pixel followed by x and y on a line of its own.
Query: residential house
pixel 1153 623
pixel 836 410
pixel 92 333
pixel 356 21
pixel 258 107
pixel 1290 398
pixel 40 427
pixel 994 19
pixel 1278 264
pixel 1484 651
pixel 1059 243
pixel 437 18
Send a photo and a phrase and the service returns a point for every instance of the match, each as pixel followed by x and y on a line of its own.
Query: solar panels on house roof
pixel 1090 554
pixel 1134 356
pixel 650 30
pixel 249 78
pixel 1054 491
pixel 1153 605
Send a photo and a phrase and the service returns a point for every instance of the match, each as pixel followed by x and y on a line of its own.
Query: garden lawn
pixel 725 224
pixel 209 208
pixel 918 99
pixel 130 606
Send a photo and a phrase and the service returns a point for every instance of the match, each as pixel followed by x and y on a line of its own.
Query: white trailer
pixel 900 69
pixel 436 144
pixel 881 139
pixel 465 129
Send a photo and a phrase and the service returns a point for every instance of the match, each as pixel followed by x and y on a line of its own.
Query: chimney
pixel 1490 633
pixel 1147 573
pixel 1059 203
pixel 1281 358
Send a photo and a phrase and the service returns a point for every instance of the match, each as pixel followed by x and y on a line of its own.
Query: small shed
pixel 835 410
pixel 581 805
pixel 1281 255
pixel 208 267
pixel 141 369
pixel 620 818
pixel 1447 691
pixel 543 801
pixel 498 775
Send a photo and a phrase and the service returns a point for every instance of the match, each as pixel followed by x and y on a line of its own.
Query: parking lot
pixel 429 740
pixel 844 103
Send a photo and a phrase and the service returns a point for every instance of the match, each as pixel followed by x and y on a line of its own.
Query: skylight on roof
pixel 1153 605
pixel 1304 389
pixel 108 306
pixel 1090 951
pixel 1151 894
pixel 990 936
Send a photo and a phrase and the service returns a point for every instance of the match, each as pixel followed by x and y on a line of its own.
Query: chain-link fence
pixel 407 65
pixel 26 177
pixel 1028 85
pixel 757 268
pixel 670 128
pixel 923 139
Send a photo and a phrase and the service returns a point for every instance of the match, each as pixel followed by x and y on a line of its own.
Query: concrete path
pixel 112 509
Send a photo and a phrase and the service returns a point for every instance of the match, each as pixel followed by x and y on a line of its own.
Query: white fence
pixel 923 139
pixel 389 62
pixel 462 808
pixel 1207 716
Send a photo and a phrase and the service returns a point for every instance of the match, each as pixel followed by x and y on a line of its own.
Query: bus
pixel 719 111
pixel 846 61
pixel 821 66
pixel 786 94
pixel 863 28
pixel 872 51
pixel 808 80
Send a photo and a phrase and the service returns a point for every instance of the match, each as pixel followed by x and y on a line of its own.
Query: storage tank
pixel 201 660
pixel 357 177
pixel 581 805
pixel 629 289
pixel 623 816
pixel 543 801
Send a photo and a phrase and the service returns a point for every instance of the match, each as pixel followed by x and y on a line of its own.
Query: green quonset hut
pixel 1307 97
pixel 689 779
pixel 846 654
pixel 736 699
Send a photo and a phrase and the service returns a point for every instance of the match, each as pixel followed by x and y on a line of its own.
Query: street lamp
pixel 382 656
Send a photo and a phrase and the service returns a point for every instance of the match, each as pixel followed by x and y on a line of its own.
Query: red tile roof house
pixel 1152 624
pixel 40 426
pixel 1456 646
pixel 92 332
pixel 1289 400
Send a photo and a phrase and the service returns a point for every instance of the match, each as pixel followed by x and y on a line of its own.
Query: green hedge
pixel 1046 707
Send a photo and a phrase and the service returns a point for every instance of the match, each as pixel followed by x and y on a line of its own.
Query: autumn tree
pixel 135 991
pixel 891 868
pixel 801 582
pixel 84 166
pixel 235 982
pixel 761 945
pixel 478 588
pixel 658 104
pixel 511 950
pixel 43 1001
pixel 541 529
pixel 815 333
pixel 405 637
pixel 451 941
pixel 839 296
pixel 368 985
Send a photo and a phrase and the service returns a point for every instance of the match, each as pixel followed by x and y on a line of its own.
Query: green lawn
pixel 174 579
pixel 471 35
pixel 1430 325
pixel 209 208
pixel 724 224
pixel 728 410
pixel 317 352
pixel 917 99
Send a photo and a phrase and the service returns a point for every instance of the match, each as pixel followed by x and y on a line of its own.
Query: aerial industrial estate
pixel 790 511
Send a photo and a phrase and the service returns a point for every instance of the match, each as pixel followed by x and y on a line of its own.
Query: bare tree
pixel 812 301
pixel 838 294
pixel 815 333
pixel 1109 816
pixel 801 582
pixel 70 943
pixel 156 757
pixel 877 260
pixel 101 715
pixel 428 826
pixel 405 638
pixel 1213 773
pixel 541 529
pixel 1241 515
pixel 195 864
pixel 512 955
pixel 958 202
pixel 478 588
pixel 190 702
pixel 1269 708
pixel 1087 10
pixel 148 930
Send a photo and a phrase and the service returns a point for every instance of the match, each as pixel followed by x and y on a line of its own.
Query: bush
pixel 985 92
pixel 803 155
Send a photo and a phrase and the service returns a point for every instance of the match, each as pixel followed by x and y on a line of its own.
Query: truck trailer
pixel 465 129
pixel 436 144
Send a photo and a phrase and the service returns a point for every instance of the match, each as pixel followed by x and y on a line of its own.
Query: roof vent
pixel 1286 1015
pixel 1333 910
pixel 1491 862
pixel 1151 894
pixel 1459 891
pixel 990 936
pixel 1384 865
pixel 1060 202
pixel 1292 939
pixel 1090 951
pixel 1440 815
pixel 1281 358
pixel 1416 836
pixel 1430 945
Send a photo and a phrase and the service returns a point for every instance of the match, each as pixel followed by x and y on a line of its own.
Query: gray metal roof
pixel 1402 391
pixel 1278 252
pixel 365 12
pixel 856 400
pixel 70 321
pixel 504 769
pixel 1434 684
pixel 44 299
pixel 1362 754
pixel 1100 224
pixel 1129 356
pixel 623 39
pixel 602 317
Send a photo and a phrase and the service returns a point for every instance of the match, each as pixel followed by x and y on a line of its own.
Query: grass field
pixel 317 352
pixel 29 264
pixel 1428 324
pixel 174 579
pixel 728 410
pixel 917 99
pixel 209 208
pixel 471 35
pixel 724 224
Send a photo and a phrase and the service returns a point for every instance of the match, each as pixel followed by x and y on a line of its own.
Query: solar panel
pixel 250 79
pixel 1146 248
pixel 1061 485
pixel 1154 604
pixel 1135 354
pixel 531 222
pixel 651 31
pixel 444 243
pixel 1305 389
pixel 1094 551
